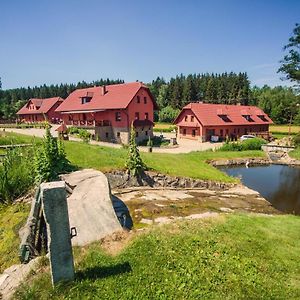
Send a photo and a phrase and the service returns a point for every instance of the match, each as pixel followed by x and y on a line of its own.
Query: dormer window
pixel 185 118
pixel 263 118
pixel 192 118
pixel 138 99
pixel 85 100
pixel 225 118
pixel 248 118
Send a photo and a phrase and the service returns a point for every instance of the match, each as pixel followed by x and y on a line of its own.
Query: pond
pixel 279 184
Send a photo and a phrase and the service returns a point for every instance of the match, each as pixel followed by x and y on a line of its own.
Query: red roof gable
pixel 116 96
pixel 209 114
pixel 42 106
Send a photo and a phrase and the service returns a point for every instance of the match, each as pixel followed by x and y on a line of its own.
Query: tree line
pixel 12 100
pixel 226 88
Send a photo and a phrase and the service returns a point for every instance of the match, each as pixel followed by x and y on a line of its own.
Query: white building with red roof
pixel 39 110
pixel 111 110
pixel 202 121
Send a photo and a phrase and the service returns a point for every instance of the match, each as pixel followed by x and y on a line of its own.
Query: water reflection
pixel 279 184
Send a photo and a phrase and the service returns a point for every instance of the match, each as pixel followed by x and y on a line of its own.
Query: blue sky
pixel 68 41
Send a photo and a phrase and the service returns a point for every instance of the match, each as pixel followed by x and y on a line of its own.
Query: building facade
pixel 39 110
pixel 110 111
pixel 206 122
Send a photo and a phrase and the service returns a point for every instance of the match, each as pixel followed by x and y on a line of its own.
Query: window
pixel 221 132
pixel 193 132
pixel 192 118
pixel 138 99
pixel 146 116
pixel 248 118
pixel 263 118
pixel 85 100
pixel 136 133
pixel 184 131
pixel 185 118
pixel 145 100
pixel 106 135
pixel 146 132
pixel 118 116
pixel 225 118
pixel 227 131
pixel 118 134
pixel 137 116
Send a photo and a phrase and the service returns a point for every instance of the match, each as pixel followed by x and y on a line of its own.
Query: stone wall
pixel 121 179
pixel 240 162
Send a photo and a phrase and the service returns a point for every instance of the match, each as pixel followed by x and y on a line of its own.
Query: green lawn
pixel 229 257
pixel 186 165
pixel 12 218
pixel 295 153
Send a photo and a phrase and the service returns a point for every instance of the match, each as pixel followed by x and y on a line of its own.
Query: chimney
pixel 103 90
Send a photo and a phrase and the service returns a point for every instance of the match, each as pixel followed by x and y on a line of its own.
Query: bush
pixel 84 135
pixel 168 114
pixel 156 141
pixel 253 144
pixel 250 144
pixel 296 140
pixel 16 174
pixel 73 130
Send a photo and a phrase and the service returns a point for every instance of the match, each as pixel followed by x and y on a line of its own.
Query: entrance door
pixel 209 134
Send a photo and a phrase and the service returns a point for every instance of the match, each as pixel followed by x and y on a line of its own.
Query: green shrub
pixel 84 135
pixel 16 174
pixel 296 140
pixel 156 141
pixel 253 144
pixel 250 144
pixel 73 130
pixel 169 129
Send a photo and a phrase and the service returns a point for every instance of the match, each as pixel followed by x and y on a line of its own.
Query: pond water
pixel 279 184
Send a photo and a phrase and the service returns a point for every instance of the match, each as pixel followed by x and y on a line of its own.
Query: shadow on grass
pixel 103 272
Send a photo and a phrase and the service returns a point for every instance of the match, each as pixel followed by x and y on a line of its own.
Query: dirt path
pixel 184 146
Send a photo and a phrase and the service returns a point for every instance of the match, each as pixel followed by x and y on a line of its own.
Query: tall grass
pixel 16 174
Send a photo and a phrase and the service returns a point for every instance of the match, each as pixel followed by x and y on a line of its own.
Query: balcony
pixel 90 123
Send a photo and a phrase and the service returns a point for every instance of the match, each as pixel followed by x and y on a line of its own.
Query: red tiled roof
pixel 117 96
pixel 208 114
pixel 42 106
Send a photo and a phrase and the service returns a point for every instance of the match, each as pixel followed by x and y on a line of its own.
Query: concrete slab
pixel 90 206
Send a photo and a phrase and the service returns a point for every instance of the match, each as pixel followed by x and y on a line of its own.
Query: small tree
pixel 134 163
pixel 50 159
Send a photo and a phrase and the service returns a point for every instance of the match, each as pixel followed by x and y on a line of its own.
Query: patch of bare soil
pixel 114 243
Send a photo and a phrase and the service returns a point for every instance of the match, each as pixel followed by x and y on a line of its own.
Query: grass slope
pixel 185 165
pixel 12 218
pixel 230 257
pixel 295 153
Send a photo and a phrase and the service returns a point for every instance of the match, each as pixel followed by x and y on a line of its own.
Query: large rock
pixel 90 206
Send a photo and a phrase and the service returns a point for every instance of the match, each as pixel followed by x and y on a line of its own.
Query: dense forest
pixel 171 96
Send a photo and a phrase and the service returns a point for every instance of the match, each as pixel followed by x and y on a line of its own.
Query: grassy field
pixel 228 257
pixel 186 165
pixel 191 164
pixel 284 128
pixel 12 218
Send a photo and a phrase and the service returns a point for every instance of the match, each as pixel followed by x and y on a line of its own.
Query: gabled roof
pixel 209 114
pixel 116 96
pixel 42 106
